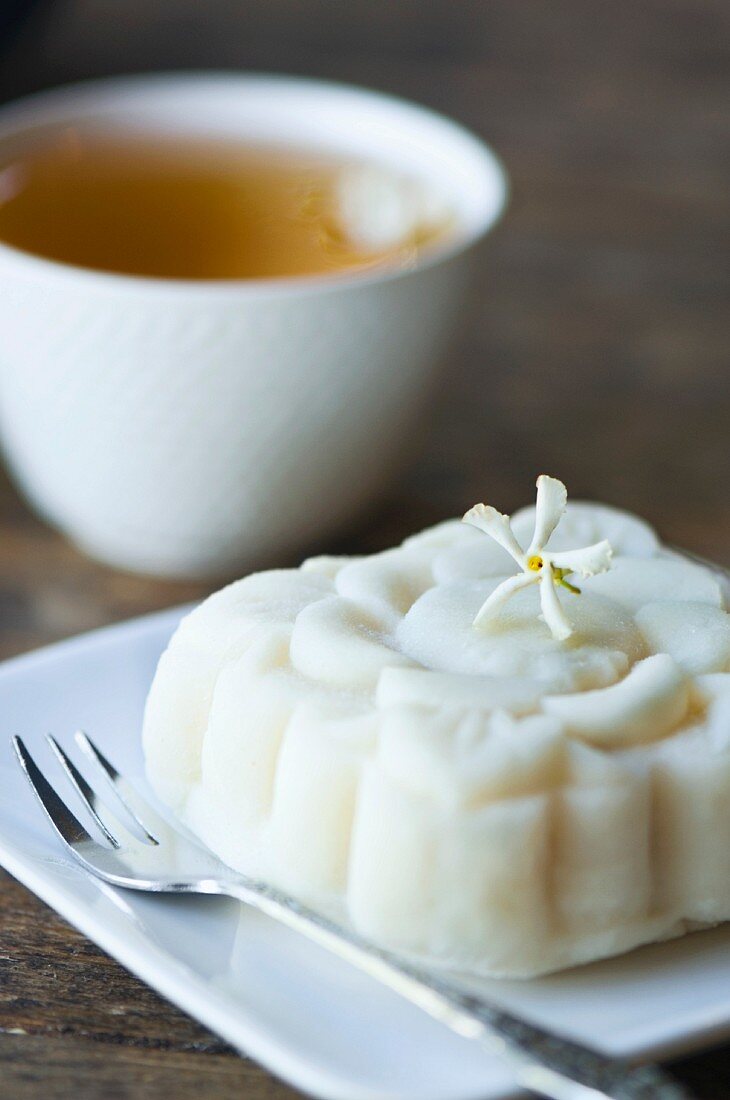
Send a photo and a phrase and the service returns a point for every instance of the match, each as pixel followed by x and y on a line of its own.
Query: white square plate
pixel 307 1017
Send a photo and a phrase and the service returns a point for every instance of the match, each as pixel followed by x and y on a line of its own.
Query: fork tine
pixel 85 792
pixel 70 830
pixel 136 806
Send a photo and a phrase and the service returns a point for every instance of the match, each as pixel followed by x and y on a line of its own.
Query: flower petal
pixel 496 524
pixel 587 561
pixel 496 601
pixel 552 612
pixel 552 497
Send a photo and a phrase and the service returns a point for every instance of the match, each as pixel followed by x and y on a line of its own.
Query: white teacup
pixel 193 427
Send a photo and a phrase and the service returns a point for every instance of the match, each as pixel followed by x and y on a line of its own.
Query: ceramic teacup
pixel 191 428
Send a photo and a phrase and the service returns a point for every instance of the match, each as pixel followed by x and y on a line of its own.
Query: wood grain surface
pixel 596 351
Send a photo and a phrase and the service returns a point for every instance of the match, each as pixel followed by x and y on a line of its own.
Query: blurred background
pixel 597 350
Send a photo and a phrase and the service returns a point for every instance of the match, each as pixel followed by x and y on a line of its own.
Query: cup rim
pixel 36 103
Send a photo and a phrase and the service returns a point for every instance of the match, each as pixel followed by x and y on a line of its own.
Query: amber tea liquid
pixel 184 209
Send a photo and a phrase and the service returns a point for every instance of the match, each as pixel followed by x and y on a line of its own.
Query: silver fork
pixel 141 851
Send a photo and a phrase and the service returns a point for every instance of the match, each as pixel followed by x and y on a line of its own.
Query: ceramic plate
pixel 305 1016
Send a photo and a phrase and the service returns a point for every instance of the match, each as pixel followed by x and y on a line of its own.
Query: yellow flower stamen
pixel 535 563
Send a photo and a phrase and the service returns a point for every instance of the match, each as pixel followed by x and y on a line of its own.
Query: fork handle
pixel 541 1061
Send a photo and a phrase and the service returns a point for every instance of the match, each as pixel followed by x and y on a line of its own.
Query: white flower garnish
pixel 539 566
pixel 381 209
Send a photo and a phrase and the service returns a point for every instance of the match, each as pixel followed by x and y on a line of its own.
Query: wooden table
pixel 597 351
